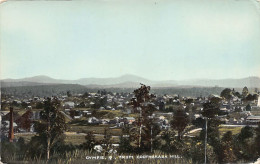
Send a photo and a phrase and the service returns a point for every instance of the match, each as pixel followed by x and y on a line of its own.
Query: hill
pixel 132 81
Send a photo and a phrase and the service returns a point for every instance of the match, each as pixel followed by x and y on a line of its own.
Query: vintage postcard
pixel 130 81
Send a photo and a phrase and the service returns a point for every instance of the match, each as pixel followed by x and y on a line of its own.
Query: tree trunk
pixel 179 135
pixel 48 148
pixel 48 138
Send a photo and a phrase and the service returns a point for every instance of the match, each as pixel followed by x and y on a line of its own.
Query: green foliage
pixel 90 142
pixel 197 153
pixel 228 148
pixel 245 92
pixel 140 134
pixel 251 97
pixel 10 150
pixel 51 127
pixel 248 107
pixel 226 93
pixel 81 105
pixel 257 140
pixel 246 132
pixel 179 122
pixel 106 142
pixel 99 102
pixel 69 94
pixel 39 105
pixel 61 89
pixel 167 142
pixel 210 109
pixel 125 145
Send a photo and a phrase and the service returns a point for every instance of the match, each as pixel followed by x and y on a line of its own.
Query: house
pixel 35 115
pixel 253 119
pixel 128 111
pixel 129 120
pixel 67 110
pixel 108 107
pixel 5 126
pixel 69 104
pixel 86 113
pixel 105 121
pixel 93 120
pixel 77 117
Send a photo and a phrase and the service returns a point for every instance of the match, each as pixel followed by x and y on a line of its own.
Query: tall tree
pixel 245 92
pixel 142 103
pixel 179 122
pixel 257 140
pixel 52 124
pixel 90 142
pixel 106 142
pixel 244 146
pixel 227 148
pixel 211 110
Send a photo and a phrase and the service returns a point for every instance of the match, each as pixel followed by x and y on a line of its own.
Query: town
pixel 95 116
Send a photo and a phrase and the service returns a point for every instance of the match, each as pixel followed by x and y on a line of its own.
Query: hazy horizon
pixel 156 40
pixel 128 75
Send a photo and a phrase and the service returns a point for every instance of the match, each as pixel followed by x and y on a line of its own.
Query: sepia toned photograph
pixel 130 81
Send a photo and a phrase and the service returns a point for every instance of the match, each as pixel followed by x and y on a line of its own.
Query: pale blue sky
pixel 159 40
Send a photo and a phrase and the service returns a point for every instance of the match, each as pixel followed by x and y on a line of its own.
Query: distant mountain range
pixel 132 81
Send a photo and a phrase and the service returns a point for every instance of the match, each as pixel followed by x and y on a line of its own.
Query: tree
pixel 142 103
pixel 168 141
pixel 39 105
pixel 82 105
pixel 188 101
pixel 90 141
pixel 245 92
pixel 257 140
pixel 24 105
pixel 227 147
pixel 197 153
pixel 210 109
pixel 69 94
pixel 237 94
pixel 85 95
pixel 52 125
pixel 248 107
pixel 244 144
pixel 106 142
pixel 250 97
pixel 226 93
pixel 125 145
pixel 179 122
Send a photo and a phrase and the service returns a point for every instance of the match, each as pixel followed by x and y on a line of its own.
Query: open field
pixel 95 129
pixel 73 138
pixel 77 139
pixel 234 130
pixel 222 130
pixel 76 134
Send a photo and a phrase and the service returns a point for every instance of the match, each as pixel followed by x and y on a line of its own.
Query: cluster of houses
pixel 120 101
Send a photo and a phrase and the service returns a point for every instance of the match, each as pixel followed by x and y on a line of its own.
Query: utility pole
pixel 206 130
pixel 151 138
pixel 140 133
